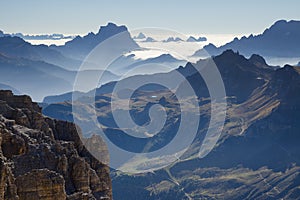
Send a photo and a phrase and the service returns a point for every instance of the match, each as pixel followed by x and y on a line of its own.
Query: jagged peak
pixel 255 58
pixel 229 53
pixel 112 28
pixel 210 46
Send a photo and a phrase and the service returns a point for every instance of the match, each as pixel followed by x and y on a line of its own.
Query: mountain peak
pixel 229 53
pixel 284 22
pixel 80 47
pixel 257 59
pixel 230 57
pixel 111 29
pixel 283 27
pixel 165 58
pixel 279 22
pixel 193 39
pixel 140 36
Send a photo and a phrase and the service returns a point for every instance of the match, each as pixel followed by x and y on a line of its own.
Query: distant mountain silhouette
pixel 38 78
pixel 280 40
pixel 54 36
pixel 164 59
pixel 79 47
pixel 172 39
pixel 32 68
pixel 70 55
pixel 140 36
pixel 125 64
pixel 17 47
pixel 193 39
pixel 149 39
pixel 33 77
pixel 61 98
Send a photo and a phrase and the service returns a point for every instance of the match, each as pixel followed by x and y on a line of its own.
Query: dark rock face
pixel 42 158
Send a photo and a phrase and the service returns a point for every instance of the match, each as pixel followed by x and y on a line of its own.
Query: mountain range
pixel 193 39
pixel 280 40
pixel 140 36
pixel 17 47
pixel 173 39
pixel 257 156
pixel 30 68
pixel 37 37
pixel 67 59
pixel 32 77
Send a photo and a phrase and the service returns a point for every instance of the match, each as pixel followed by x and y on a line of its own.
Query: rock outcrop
pixel 43 158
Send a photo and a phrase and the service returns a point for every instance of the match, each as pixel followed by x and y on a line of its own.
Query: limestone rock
pixel 41 184
pixel 43 158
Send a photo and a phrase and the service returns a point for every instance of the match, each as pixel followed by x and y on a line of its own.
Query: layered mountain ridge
pixel 280 40
pixel 257 155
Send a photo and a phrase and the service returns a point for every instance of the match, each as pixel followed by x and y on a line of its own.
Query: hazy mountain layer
pixel 257 156
pixel 278 41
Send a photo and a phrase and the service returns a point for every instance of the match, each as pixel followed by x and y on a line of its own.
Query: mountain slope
pixel 257 155
pixel 17 47
pixel 130 66
pixel 32 77
pixel 70 55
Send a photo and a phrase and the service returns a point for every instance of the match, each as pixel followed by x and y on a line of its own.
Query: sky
pixel 189 16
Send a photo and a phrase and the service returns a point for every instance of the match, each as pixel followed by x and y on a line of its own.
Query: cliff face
pixel 42 158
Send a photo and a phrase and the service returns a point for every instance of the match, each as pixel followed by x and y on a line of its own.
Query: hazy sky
pixel 186 16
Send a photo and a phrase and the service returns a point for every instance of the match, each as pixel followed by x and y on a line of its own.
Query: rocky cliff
pixel 43 158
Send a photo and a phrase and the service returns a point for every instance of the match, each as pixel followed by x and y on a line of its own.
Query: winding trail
pixel 174 180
